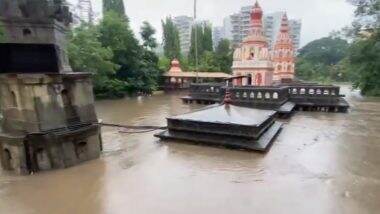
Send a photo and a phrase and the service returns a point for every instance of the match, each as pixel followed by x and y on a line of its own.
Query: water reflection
pixel 320 163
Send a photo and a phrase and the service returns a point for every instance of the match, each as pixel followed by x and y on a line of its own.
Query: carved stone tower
pixel 283 54
pixel 252 59
pixel 48 115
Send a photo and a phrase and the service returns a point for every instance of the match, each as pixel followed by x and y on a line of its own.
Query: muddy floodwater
pixel 320 163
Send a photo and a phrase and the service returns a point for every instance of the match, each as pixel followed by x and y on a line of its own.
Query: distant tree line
pixel 209 60
pixel 110 50
pixel 334 59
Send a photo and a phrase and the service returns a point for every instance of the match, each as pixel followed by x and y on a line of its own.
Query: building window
pixel 275 95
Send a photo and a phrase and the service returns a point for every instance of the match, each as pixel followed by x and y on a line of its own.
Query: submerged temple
pixel 255 63
pixel 49 119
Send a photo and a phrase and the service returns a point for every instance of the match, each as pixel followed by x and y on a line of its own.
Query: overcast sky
pixel 319 17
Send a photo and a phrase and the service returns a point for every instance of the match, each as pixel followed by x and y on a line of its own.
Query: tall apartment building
pixel 295 32
pixel 237 26
pixel 217 35
pixel 184 25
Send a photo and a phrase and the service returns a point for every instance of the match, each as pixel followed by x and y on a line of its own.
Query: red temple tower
pixel 283 54
pixel 252 59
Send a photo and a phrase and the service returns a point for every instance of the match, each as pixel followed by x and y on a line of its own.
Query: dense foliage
pixel 320 60
pixel 364 58
pixel 359 62
pixel 116 6
pixel 171 42
pixel 85 49
pixel 209 60
pixel 111 51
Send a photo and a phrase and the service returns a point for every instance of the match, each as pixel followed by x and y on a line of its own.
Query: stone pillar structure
pixel 48 115
pixel 283 54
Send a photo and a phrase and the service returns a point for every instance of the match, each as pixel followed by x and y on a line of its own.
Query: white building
pixel 237 26
pixel 217 36
pixel 184 25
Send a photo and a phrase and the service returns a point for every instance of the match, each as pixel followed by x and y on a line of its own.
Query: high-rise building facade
pixel 184 25
pixel 217 35
pixel 237 27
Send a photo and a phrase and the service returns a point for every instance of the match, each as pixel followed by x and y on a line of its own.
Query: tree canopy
pixel 171 41
pixel 116 6
pixel 327 50
pixel 147 34
pixel 319 60
pixel 334 59
pixel 111 51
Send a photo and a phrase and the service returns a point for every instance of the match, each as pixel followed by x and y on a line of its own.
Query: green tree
pixel 367 16
pixel 196 42
pixel 364 57
pixel 208 62
pixel 147 34
pixel 320 60
pixel 164 63
pixel 224 55
pixel 172 48
pixel 149 68
pixel 364 54
pixel 116 34
pixel 86 54
pixel 207 44
pixel 116 6
pixel 327 50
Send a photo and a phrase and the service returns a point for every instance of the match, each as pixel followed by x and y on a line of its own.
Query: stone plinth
pixel 49 121
pixel 225 125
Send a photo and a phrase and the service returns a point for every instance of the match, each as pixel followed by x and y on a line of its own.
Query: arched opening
pixel 319 92
pixel 303 91
pixel 81 150
pixel 26 32
pixel 311 91
pixel 13 99
pixel 275 95
pixel 279 68
pixel 245 95
pixel 7 159
pixel 249 82
pixel 259 79
pixel 252 95
pixel 259 95
pixel 42 159
pixel 65 98
pixel 267 95
pixel 326 92
pixel 295 91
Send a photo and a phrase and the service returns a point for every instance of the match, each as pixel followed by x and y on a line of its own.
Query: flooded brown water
pixel 320 163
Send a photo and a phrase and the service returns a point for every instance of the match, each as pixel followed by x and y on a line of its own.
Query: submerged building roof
pixel 176 71
pixel 231 114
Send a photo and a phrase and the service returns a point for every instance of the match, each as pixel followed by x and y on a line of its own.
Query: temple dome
pixel 175 66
